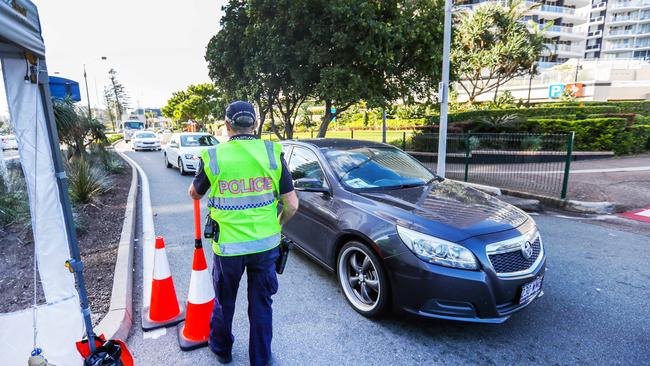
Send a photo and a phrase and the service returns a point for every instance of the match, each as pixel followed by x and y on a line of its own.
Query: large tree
pixel 492 45
pixel 280 53
pixel 119 98
pixel 200 103
pixel 378 52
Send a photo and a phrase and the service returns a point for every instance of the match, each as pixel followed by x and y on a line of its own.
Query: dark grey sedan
pixel 397 235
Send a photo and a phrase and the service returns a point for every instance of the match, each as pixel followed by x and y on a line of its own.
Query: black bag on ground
pixel 107 354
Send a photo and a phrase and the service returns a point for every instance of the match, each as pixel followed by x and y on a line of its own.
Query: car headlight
pixel 191 157
pixel 433 250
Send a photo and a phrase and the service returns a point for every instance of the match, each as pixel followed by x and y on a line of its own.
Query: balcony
pixel 627 46
pixel 599 6
pixel 566 33
pixel 554 12
pixel 620 33
pixel 629 5
pixel 623 19
pixel 595 34
pixel 592 47
pixel 643 44
pixel 597 20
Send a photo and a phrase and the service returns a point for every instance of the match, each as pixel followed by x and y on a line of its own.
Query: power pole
pixel 90 112
pixel 443 91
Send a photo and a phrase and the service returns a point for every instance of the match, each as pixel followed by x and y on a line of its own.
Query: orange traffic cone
pixel 164 309
pixel 194 331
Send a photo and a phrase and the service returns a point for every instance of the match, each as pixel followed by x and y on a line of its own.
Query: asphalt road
pixel 596 307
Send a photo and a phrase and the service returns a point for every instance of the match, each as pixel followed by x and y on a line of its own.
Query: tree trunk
pixel 327 118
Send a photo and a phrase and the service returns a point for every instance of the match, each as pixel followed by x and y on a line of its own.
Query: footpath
pixel 623 181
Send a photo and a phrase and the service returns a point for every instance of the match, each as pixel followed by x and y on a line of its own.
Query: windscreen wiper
pixel 357 166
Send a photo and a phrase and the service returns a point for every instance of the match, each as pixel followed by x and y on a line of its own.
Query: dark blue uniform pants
pixel 262 284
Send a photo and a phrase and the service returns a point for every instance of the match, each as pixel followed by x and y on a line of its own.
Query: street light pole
pixel 443 91
pixel 90 112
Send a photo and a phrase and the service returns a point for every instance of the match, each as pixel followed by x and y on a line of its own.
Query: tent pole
pixel 75 265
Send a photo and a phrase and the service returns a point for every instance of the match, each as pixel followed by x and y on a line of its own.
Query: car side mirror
pixel 173 144
pixel 310 185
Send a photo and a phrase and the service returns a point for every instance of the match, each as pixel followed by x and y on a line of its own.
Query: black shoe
pixel 224 359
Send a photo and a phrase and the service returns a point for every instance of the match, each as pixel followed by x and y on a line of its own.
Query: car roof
pixel 323 143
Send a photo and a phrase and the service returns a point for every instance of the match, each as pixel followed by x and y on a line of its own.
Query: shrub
pixel 532 143
pixel 14 203
pixel 107 159
pixel 86 181
pixel 595 134
pixel 113 138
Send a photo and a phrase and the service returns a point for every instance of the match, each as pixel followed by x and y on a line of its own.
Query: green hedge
pixel 596 134
pixel 558 111
pixel 112 138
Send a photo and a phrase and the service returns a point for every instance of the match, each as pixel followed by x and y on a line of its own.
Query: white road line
pixel 148 233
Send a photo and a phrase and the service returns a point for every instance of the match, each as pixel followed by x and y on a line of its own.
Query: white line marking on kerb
pixel 154 334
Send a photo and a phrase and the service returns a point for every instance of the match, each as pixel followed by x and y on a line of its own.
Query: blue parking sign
pixel 555 91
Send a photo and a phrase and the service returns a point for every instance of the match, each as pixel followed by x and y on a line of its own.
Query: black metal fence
pixel 535 163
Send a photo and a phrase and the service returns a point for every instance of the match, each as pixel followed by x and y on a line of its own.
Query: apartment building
pixel 589 29
pixel 626 30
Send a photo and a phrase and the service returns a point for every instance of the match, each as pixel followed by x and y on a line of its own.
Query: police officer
pixel 247 177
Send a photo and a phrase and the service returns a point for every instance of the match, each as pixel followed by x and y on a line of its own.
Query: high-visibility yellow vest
pixel 244 188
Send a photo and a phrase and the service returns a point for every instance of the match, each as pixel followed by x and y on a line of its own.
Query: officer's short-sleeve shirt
pixel 202 183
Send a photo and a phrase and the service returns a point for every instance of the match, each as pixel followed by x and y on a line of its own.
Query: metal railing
pixel 534 163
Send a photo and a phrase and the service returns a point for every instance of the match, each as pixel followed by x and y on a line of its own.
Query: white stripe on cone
pixel 201 290
pixel 161 265
pixel 644 213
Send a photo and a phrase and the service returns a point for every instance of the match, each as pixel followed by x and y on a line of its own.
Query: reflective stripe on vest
pixel 213 160
pixel 270 153
pixel 248 247
pixel 241 203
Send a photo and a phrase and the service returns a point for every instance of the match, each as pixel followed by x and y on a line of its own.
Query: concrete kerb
pixel 117 323
pixel 600 208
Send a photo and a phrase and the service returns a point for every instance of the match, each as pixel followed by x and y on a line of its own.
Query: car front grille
pixel 505 263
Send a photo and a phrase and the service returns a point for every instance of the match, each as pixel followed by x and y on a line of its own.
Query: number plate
pixel 530 290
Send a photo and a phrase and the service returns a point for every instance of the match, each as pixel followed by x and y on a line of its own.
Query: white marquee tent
pixel 59 322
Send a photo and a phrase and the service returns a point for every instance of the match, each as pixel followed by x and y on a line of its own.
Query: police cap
pixel 241 113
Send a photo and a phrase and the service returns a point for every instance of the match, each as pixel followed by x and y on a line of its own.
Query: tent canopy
pixel 59 322
pixel 61 88
pixel 20 26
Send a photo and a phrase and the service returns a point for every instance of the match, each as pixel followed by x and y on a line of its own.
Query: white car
pixel 8 142
pixel 184 149
pixel 145 140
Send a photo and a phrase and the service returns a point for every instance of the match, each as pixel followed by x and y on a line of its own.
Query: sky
pixel 156 47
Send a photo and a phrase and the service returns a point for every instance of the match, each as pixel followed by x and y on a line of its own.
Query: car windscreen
pixel 376 168
pixel 146 135
pixel 198 140
pixel 134 125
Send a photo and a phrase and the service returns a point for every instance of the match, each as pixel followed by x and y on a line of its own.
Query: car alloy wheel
pixel 167 163
pixel 362 279
pixel 181 168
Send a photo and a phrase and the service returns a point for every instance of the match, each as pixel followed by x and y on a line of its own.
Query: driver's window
pixel 304 164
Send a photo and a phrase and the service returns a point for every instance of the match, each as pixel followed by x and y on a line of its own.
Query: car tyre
pixel 167 163
pixel 363 279
pixel 181 168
